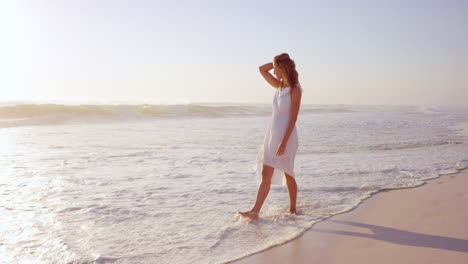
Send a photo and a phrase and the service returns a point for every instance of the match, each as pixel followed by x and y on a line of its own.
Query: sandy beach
pixel 425 224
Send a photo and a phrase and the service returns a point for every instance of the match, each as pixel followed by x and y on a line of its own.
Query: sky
pixel 368 52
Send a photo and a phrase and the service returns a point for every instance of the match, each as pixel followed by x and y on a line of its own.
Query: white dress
pixel 274 135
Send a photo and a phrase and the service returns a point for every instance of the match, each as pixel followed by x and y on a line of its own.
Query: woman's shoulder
pixel 298 86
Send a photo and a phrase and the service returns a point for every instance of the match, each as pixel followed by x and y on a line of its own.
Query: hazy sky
pixel 346 52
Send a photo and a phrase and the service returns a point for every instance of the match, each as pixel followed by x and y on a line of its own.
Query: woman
pixel 275 160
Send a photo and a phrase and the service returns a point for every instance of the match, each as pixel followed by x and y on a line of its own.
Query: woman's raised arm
pixel 264 70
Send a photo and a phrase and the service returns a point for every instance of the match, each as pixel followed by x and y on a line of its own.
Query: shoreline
pixel 426 223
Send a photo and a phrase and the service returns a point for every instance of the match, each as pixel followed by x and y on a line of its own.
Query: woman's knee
pixel 267 173
pixel 289 179
pixel 266 178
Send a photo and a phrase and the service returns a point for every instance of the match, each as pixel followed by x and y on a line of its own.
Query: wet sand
pixel 425 224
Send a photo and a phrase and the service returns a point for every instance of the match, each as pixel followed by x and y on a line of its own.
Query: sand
pixel 425 224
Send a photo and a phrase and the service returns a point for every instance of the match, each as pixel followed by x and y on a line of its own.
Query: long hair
pixel 289 66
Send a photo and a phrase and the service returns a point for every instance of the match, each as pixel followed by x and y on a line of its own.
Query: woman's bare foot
pixel 293 211
pixel 249 214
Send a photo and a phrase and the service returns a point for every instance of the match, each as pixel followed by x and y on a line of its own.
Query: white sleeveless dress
pixel 274 135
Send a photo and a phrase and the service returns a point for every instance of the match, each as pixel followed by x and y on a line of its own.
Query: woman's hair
pixel 289 66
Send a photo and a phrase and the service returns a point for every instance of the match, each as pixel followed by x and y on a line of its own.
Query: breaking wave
pixel 47 114
pixel 14 115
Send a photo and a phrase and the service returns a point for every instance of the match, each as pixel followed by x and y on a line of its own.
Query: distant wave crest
pixel 45 114
pixel 34 110
pixel 32 114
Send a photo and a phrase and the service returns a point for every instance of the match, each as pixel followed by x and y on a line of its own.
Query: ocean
pixel 163 183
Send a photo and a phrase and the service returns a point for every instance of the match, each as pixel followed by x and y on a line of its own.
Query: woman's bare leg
pixel 292 190
pixel 263 190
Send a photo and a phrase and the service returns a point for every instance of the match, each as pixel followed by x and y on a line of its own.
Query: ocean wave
pixel 320 110
pixel 407 145
pixel 14 115
pixel 429 109
pixel 35 110
pixel 49 114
